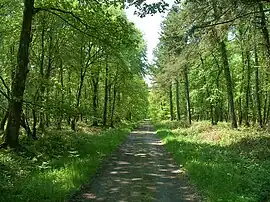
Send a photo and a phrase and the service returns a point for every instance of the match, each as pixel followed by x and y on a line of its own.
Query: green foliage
pixel 228 82
pixel 57 164
pixel 225 164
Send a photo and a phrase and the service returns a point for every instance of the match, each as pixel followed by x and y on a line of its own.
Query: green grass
pixel 224 164
pixel 55 166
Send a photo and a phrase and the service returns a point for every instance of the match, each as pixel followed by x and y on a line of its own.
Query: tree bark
pixel 171 103
pixel 264 29
pixel 45 78
pixel 95 101
pixel 25 125
pixel 187 94
pixel 247 91
pixel 3 121
pixel 177 97
pixel 105 97
pixel 228 78
pixel 34 128
pixel 19 79
pixel 257 86
pixel 113 105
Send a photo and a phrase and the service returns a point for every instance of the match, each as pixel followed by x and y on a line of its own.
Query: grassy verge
pixel 56 165
pixel 225 164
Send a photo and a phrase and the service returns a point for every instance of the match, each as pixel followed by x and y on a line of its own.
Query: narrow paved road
pixel 141 170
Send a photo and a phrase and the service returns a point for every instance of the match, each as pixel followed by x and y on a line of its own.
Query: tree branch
pixel 5 85
pixel 208 24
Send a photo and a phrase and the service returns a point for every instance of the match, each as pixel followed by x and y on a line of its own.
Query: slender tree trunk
pixel 187 94
pixel 208 95
pixel 240 116
pixel 24 123
pixel 45 78
pixel 3 121
pixel 34 129
pixel 257 86
pixel 265 99
pixel 171 103
pixel 19 79
pixel 211 106
pixel 95 103
pixel 105 97
pixel 177 97
pixel 59 123
pixel 264 29
pixel 218 104
pixel 113 105
pixel 247 91
pixel 229 82
pixel 79 93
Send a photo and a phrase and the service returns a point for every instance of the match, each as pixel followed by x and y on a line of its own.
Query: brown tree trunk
pixel 105 97
pixel 45 78
pixel 19 79
pixel 177 100
pixel 247 91
pixel 229 83
pixel 257 86
pixel 171 103
pixel 264 29
pixel 187 94
pixel 113 105
pixel 95 101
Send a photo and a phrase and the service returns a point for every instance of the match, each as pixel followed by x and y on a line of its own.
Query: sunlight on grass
pixel 56 165
pixel 225 164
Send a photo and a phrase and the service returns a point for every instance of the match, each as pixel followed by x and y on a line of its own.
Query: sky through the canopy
pixel 149 25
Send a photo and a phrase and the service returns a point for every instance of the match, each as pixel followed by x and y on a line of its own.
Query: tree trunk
pixel 171 103
pixel 229 83
pixel 218 103
pixel 105 97
pixel 3 121
pixel 264 29
pixel 240 115
pixel 34 129
pixel 19 79
pixel 113 105
pixel 265 99
pixel 177 100
pixel 247 91
pixel 24 123
pixel 79 93
pixel 95 103
pixel 187 94
pixel 257 86
pixel 45 78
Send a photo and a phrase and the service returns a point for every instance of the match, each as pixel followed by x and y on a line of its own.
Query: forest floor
pixel 224 164
pixel 53 167
pixel 140 170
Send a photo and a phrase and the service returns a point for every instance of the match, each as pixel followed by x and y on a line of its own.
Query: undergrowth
pixel 55 166
pixel 225 164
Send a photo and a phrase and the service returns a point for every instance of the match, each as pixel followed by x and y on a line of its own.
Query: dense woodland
pixel 212 63
pixel 72 88
pixel 69 61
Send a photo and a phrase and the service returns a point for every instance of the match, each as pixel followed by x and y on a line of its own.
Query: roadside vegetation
pixel 225 164
pixel 55 166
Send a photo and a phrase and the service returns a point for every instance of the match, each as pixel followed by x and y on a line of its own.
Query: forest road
pixel 140 170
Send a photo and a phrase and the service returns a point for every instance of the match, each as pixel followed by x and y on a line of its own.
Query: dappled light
pixel 234 167
pixel 140 171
